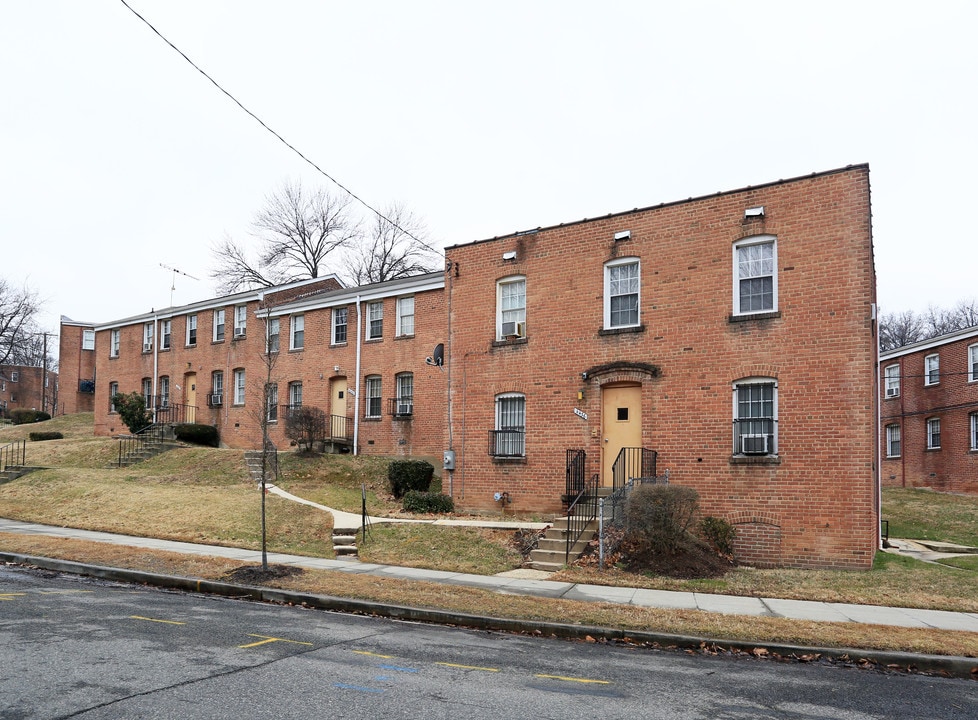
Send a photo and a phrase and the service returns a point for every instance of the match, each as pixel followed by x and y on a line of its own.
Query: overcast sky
pixel 117 156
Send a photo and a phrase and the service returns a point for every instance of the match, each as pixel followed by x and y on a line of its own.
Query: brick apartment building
pixel 929 413
pixel 733 335
pixel 76 365
pixel 28 388
pixel 357 354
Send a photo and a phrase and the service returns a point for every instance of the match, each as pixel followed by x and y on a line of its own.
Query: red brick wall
pixel 28 393
pixel 953 467
pixel 821 492
pixel 74 365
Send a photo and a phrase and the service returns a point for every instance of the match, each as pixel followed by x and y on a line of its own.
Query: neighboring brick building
pixel 733 334
pixel 76 366
pixel 929 413
pixel 357 354
pixel 29 388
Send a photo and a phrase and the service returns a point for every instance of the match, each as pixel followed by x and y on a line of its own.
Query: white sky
pixel 116 155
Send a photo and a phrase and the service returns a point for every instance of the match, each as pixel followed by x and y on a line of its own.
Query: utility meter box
pixel 449 461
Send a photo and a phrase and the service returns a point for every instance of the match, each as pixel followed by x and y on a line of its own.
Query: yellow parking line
pixel 573 679
pixel 266 639
pixel 373 654
pixel 156 620
pixel 63 592
pixel 468 667
pixel 11 596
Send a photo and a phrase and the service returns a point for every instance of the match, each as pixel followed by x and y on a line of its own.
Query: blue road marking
pixel 344 686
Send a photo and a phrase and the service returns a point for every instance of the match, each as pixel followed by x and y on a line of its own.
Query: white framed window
pixel 239 386
pixel 164 391
pixel 974 431
pixel 755 412
pixel 216 398
pixel 755 275
pixel 295 395
pixel 219 325
pixel 191 330
pixel 147 336
pixel 240 320
pixel 297 332
pixel 272 342
pixel 375 320
pixel 14 376
pixel 148 392
pixel 511 307
pixel 891 381
pixel 404 402
pixel 932 370
pixel 509 437
pixel 339 326
pixel 405 316
pixel 113 343
pixel 622 284
pixel 892 441
pixel 973 363
pixel 88 339
pixel 373 397
pixel 113 391
pixel 165 326
pixel 934 434
pixel 271 402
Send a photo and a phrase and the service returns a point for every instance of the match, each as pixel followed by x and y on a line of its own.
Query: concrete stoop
pixel 253 463
pixel 150 450
pixel 345 542
pixel 551 550
pixel 12 472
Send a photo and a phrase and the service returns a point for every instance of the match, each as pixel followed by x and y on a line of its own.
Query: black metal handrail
pixel 173 413
pixel 507 443
pixel 130 445
pixel 581 513
pixel 575 472
pixel 632 462
pixel 13 454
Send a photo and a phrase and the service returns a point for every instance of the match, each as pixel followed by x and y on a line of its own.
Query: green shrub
pixel 132 410
pixel 657 518
pixel 406 475
pixel 417 501
pixel 719 533
pixel 22 416
pixel 49 435
pixel 198 434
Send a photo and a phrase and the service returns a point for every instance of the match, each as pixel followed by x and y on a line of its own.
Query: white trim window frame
pixel 973 363
pixel 165 328
pixel 510 430
pixel 297 332
pixel 240 320
pixel 164 391
pixel 88 340
pixel 113 391
pixel 274 335
pixel 148 392
pixel 218 335
pixel 622 293
pixel 893 448
pixel 372 397
pixel 375 320
pixel 217 384
pixel 933 433
pixel 147 336
pixel 405 316
pixel 271 402
pixel 891 381
pixel 404 386
pixel 755 417
pixel 510 304
pixel 340 321
pixel 974 431
pixel 239 386
pixel 191 330
pixel 755 275
pixel 114 343
pixel 932 370
pixel 295 395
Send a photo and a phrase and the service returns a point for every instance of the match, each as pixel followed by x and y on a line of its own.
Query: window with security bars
pixel 404 402
pixel 295 395
pixel 755 421
pixel 892 441
pixel 509 437
pixel 974 431
pixel 934 434
pixel 373 398
pixel 755 287
pixel 622 283
pixel 271 402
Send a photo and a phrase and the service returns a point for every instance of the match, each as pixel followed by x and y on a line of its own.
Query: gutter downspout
pixel 356 394
pixel 156 360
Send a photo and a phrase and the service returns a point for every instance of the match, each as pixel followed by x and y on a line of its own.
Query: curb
pixel 943 665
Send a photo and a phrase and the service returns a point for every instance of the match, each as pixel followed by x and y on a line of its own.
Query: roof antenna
pixel 173 281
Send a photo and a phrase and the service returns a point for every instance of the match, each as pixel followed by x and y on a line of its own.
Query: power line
pixel 281 139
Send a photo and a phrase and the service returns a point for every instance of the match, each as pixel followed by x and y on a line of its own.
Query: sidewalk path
pixel 516 583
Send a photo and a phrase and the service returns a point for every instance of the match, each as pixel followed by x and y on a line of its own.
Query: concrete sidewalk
pixel 517 582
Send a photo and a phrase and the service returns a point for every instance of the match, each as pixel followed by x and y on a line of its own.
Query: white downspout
pixel 356 393
pixel 156 360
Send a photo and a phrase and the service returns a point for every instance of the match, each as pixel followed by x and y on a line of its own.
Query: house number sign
pixel 580 413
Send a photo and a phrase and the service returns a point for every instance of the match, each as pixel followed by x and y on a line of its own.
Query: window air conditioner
pixel 405 407
pixel 239 332
pixel 753 444
pixel 892 392
pixel 217 399
pixel 514 329
pixel 147 346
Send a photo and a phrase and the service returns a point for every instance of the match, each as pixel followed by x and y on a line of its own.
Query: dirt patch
pixel 525 541
pixel 254 575
pixel 690 560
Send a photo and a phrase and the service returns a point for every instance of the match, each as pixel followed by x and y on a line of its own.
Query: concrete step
pixel 546 566
pixel 345 549
pixel 344 539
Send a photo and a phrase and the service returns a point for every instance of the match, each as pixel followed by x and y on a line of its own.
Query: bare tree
pixel 395 247
pixel 939 321
pixel 906 328
pixel 899 329
pixel 967 312
pixel 18 311
pixel 297 232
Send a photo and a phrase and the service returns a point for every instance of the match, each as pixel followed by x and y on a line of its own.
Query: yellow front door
pixel 337 409
pixel 621 424
pixel 190 396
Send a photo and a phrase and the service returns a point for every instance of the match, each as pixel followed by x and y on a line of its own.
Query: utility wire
pixel 281 139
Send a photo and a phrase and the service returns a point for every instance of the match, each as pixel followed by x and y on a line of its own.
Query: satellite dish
pixel 438 356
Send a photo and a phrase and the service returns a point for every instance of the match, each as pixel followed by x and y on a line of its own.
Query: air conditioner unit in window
pixel 753 444
pixel 239 332
pixel 216 399
pixel 892 392
pixel 405 407
pixel 514 329
pixel 147 347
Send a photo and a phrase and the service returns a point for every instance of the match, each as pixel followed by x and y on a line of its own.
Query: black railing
pixel 582 512
pixel 13 454
pixel 132 445
pixel 402 407
pixel 755 436
pixel 632 462
pixel 507 443
pixel 340 428
pixel 575 473
pixel 167 413
pixel 287 411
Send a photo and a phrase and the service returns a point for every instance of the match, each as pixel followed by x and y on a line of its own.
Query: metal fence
pixel 611 515
pixel 13 454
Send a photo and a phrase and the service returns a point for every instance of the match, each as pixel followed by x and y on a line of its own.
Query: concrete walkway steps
pixel 529 582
